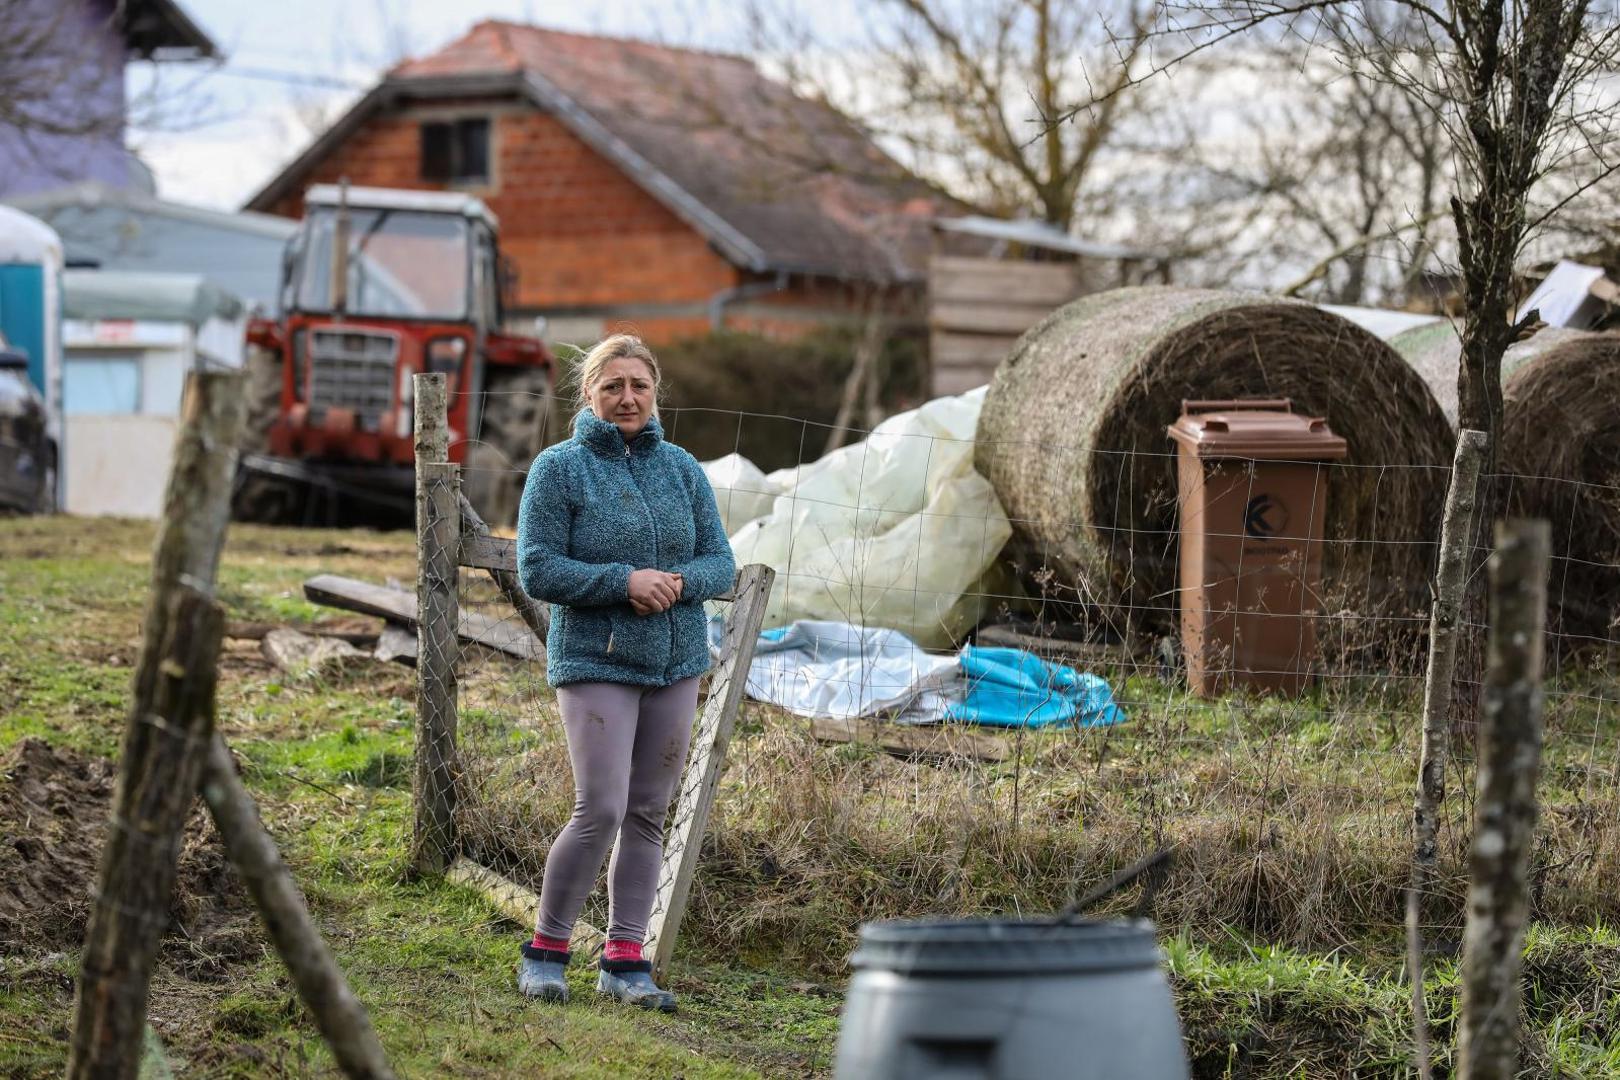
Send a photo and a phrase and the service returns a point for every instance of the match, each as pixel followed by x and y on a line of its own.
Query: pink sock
pixel 621 950
pixel 553 944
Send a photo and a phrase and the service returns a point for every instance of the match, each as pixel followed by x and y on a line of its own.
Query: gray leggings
pixel 627 745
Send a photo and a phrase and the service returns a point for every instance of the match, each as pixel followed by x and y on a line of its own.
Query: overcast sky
pixel 214 135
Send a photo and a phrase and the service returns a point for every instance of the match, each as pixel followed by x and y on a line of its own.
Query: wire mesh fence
pixel 854 791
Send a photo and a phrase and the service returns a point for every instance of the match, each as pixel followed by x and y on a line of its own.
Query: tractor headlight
pixel 444 355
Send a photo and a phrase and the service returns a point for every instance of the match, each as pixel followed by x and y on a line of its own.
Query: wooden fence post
pixel 702 777
pixel 338 1014
pixel 438 539
pixel 170 717
pixel 1456 533
pixel 1505 803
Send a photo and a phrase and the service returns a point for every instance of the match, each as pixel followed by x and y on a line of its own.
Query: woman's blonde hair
pixel 616 347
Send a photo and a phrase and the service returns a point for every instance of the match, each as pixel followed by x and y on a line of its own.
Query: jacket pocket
pixel 639 641
pixel 587 634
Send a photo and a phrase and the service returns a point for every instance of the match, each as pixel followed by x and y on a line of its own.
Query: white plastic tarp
pixel 742 490
pixel 831 669
pixel 896 531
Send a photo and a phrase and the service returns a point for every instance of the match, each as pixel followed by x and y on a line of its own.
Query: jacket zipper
pixel 669 616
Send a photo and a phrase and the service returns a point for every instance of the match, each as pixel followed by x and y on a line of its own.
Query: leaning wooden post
pixel 338 1014
pixel 1456 533
pixel 438 538
pixel 170 717
pixel 1505 803
pixel 707 761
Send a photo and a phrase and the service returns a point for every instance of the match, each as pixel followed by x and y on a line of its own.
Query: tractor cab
pixel 377 286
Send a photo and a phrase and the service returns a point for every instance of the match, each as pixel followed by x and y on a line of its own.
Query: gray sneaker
pixel 540 974
pixel 630 981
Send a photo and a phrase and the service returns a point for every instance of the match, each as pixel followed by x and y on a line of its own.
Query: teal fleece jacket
pixel 593 510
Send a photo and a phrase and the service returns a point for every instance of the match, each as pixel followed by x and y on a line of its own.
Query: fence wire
pixel 1290 816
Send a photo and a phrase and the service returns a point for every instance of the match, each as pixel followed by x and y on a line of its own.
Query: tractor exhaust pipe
pixel 340 251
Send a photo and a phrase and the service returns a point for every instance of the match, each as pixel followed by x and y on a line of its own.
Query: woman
pixel 619 531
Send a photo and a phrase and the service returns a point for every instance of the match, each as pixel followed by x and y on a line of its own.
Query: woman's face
pixel 623 394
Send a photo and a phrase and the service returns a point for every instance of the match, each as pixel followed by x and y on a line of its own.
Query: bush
pixel 771 401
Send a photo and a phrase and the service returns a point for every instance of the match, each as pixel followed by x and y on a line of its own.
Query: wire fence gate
pixel 469 761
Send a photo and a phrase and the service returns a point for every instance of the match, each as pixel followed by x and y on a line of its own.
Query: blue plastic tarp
pixel 1015 688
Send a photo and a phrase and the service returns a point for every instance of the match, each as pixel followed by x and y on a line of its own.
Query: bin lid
pixel 1264 429
pixel 1005 947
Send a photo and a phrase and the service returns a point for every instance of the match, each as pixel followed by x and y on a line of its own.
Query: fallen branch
pixel 338 1014
pixel 911 740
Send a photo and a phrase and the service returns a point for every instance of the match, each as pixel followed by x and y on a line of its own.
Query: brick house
pixel 640 186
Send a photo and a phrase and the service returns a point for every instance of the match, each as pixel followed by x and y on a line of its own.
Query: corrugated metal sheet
pixel 122 230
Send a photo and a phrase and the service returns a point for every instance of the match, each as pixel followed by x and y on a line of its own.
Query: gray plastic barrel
pixel 1009 1000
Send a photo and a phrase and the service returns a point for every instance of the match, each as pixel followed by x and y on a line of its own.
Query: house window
pixel 456 151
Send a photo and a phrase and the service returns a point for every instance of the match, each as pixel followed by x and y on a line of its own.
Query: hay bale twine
pixel 1072 436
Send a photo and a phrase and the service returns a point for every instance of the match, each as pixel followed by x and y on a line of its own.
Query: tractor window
pixel 402 264
pixel 456 151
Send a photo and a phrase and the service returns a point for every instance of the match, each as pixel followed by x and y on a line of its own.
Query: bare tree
pixel 1333 167
pixel 969 92
pixel 54 71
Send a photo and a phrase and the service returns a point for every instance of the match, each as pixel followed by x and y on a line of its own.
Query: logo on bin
pixel 1264 517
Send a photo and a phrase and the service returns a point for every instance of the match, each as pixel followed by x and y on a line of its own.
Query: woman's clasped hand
pixel 652 591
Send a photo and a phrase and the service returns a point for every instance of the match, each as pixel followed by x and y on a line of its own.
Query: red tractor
pixel 376 286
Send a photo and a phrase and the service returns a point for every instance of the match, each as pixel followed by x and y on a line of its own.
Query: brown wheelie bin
pixel 1252 493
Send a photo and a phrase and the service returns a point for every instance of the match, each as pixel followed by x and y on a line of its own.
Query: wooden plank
pixel 518 903
pixel 438 536
pixel 976 317
pixel 707 761
pixel 533 614
pixel 500 553
pixel 978 280
pixel 396 605
pixel 910 740
pixel 960 380
pixel 969 350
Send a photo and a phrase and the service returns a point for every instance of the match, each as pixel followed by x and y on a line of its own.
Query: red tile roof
pixel 795 185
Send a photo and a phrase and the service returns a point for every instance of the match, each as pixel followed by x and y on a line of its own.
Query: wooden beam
pixel 977 317
pixel 518 903
pixel 396 605
pixel 982 280
pixel 911 740
pixel 707 761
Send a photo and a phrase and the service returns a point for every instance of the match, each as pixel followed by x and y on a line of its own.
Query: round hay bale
pixel 1432 352
pixel 1072 436
pixel 1560 456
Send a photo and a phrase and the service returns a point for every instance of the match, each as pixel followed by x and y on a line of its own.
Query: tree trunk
pixel 1457 532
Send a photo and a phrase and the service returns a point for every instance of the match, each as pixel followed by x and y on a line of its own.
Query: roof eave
pixel 190 41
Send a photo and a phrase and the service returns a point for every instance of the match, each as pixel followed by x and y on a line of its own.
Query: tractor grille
pixel 352 369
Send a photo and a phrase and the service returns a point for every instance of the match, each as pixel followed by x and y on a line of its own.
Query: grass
pixel 1280 920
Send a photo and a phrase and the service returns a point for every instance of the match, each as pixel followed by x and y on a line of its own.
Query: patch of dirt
pixel 53 820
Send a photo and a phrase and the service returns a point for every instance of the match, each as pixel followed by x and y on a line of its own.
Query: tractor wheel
pixel 512 431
